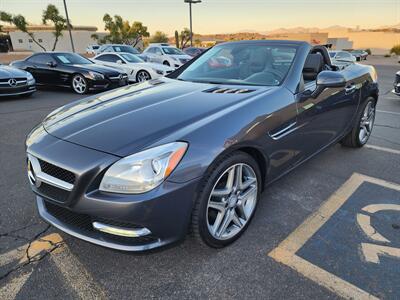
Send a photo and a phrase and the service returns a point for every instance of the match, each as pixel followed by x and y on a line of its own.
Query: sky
pixel 220 16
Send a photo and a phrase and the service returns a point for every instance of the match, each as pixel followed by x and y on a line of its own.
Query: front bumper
pixel 107 84
pixel 396 88
pixel 165 211
pixel 17 91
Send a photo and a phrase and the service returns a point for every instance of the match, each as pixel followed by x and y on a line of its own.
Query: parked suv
pixel 166 55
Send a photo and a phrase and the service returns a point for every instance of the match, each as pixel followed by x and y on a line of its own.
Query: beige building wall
pixel 22 42
pixel 378 42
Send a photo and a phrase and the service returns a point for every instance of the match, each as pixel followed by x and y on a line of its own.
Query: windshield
pixel 128 49
pixel 172 51
pixel 72 59
pixel 131 58
pixel 243 64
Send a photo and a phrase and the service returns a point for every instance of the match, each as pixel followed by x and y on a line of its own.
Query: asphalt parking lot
pixel 327 230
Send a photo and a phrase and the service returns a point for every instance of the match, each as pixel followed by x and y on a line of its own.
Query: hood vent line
pixel 219 90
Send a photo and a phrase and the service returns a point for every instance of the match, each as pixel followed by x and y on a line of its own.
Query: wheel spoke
pixel 238 177
pixel 236 220
pixel 225 223
pixel 249 181
pixel 217 222
pixel 220 206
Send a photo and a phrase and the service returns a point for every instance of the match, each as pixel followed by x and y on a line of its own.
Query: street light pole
pixel 191 30
pixel 190 15
pixel 69 27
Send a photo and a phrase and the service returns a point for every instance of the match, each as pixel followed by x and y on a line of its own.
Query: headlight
pixel 159 72
pixel 95 75
pixel 30 79
pixel 143 171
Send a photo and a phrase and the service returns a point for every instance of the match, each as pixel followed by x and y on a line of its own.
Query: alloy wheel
pixel 367 122
pixel 79 84
pixel 143 76
pixel 232 201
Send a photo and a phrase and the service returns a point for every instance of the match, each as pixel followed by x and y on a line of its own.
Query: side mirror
pixel 330 79
pixel 120 62
pixel 325 79
pixel 51 64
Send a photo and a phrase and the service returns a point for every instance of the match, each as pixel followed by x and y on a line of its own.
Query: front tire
pixel 362 129
pixel 227 200
pixel 79 84
pixel 142 76
pixel 166 63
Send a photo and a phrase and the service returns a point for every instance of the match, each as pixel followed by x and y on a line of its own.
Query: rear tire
pixel 166 63
pixel 142 76
pixel 223 201
pixel 361 132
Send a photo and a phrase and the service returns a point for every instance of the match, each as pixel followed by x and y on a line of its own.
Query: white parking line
pixel 11 289
pixel 388 112
pixel 76 275
pixel 389 150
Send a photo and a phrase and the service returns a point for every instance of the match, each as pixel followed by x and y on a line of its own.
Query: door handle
pixel 350 89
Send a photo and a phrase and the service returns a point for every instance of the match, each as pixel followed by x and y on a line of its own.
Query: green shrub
pixel 395 50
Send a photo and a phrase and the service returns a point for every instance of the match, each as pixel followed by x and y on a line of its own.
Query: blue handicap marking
pixel 360 243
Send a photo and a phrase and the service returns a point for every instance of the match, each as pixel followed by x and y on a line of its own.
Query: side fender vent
pixel 219 90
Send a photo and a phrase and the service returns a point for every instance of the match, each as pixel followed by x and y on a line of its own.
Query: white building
pixel 21 41
pixel 340 43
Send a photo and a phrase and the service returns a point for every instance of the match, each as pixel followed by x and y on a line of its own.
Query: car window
pixel 123 48
pixel 172 51
pixel 108 58
pixel 242 64
pixel 131 58
pixel 40 59
pixel 71 59
pixel 150 50
pixel 157 51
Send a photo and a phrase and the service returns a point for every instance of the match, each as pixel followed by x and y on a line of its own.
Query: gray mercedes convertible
pixel 141 166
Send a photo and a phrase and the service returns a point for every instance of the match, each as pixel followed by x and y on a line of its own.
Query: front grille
pixel 84 222
pixel 17 79
pixel 52 192
pixel 69 217
pixel 57 172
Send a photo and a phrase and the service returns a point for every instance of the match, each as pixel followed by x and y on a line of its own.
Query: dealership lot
pixel 290 235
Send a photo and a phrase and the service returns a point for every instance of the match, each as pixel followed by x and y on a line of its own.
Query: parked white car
pixel 135 67
pixel 342 56
pixel 92 49
pixel 166 55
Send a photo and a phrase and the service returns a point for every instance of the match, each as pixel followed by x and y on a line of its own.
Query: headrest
pixel 314 64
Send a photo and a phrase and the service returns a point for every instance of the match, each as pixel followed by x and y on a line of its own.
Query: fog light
pixel 120 231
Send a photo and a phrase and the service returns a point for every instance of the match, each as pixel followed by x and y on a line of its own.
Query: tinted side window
pixel 40 59
pixel 108 58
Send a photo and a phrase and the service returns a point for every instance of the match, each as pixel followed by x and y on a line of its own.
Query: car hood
pixel 10 72
pixel 126 120
pixel 154 66
pixel 97 68
pixel 181 56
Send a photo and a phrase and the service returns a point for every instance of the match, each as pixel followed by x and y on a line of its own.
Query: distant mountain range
pixel 316 29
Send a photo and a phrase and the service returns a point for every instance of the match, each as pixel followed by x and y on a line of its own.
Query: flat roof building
pixel 21 41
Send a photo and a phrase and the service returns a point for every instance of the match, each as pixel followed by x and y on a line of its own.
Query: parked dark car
pixel 15 82
pixel 194 51
pixel 136 168
pixel 71 70
pixel 396 85
pixel 359 54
